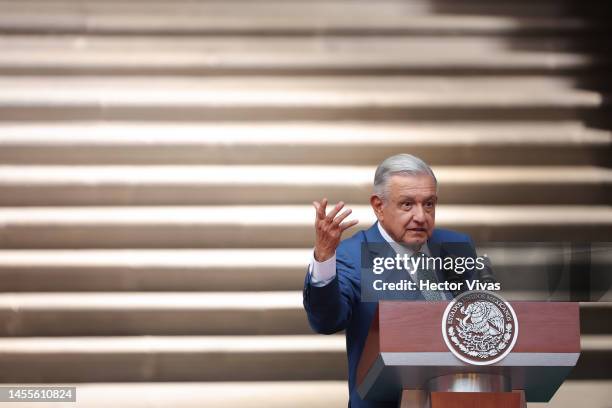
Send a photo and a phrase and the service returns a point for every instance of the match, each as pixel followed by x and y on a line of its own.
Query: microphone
pixel 456 250
pixel 485 275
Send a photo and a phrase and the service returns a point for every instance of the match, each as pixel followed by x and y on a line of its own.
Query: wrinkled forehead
pixel 416 187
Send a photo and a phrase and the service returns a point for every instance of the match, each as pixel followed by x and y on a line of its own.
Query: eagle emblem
pixel 479 327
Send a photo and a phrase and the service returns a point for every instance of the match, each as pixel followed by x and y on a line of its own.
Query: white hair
pixel 399 164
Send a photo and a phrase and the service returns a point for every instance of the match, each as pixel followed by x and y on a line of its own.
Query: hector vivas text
pixel 413 264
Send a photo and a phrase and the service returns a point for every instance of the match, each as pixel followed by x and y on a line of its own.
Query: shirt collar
pixel 397 247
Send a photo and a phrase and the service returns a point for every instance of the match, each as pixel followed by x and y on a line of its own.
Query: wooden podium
pixel 406 359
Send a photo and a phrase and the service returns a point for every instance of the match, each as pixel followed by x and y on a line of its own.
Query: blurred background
pixel 158 160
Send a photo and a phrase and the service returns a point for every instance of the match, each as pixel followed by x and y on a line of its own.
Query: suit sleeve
pixel 329 308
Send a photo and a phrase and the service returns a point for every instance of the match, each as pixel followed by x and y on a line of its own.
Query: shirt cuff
pixel 322 273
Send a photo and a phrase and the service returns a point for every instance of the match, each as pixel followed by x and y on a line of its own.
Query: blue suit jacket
pixel 337 306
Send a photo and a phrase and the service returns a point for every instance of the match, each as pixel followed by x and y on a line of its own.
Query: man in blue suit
pixel 404 200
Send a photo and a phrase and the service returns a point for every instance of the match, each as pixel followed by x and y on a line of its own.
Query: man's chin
pixel 415 238
pixel 414 243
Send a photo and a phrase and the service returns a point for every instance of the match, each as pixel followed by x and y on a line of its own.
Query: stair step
pixel 173 358
pixel 595 317
pixel 162 55
pixel 166 313
pixel 263 8
pixel 299 98
pixel 153 270
pixel 245 394
pixel 271 226
pixel 471 143
pixel 573 393
pixel 210 270
pixel 196 185
pixel 243 270
pixel 268 394
pixel 284 18
pixel 208 358
pixel 595 358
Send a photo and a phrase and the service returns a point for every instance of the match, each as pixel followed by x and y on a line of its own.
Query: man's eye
pixel 406 205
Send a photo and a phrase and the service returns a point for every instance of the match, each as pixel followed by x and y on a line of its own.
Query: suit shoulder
pixel 352 245
pixel 446 235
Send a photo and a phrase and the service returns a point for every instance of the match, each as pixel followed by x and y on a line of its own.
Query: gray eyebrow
pixel 403 197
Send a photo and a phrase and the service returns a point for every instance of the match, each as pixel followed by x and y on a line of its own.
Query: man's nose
pixel 418 214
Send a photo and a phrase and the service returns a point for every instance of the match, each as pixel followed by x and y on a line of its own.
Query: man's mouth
pixel 417 229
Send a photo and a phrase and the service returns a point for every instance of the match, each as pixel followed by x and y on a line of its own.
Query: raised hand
pixel 329 229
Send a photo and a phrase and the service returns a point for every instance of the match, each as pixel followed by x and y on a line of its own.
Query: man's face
pixel 408 214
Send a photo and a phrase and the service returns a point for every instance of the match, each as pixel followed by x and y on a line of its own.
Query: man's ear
pixel 377 205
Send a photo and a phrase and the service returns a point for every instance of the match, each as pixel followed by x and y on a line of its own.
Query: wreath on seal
pixel 480 346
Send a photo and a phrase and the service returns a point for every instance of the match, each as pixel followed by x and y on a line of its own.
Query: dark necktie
pixel 424 274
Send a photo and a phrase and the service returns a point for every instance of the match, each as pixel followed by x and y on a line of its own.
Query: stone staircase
pixel 157 161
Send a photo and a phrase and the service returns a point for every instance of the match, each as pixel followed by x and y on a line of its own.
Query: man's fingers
pixel 342 216
pixel 346 225
pixel 322 208
pixel 332 214
pixel 316 205
pixel 319 210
